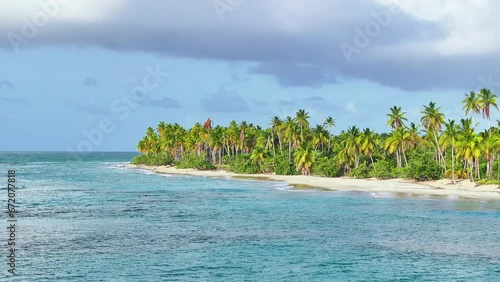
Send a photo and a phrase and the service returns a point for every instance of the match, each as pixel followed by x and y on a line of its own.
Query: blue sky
pixel 68 65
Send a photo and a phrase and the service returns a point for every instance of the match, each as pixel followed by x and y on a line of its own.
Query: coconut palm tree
pixel 290 134
pixel 468 144
pixel 329 124
pixel 301 118
pixel 471 103
pixel 398 142
pixel 449 138
pixel 243 127
pixel 319 136
pixel 368 144
pixel 351 144
pixel 276 124
pixel 304 158
pixel 415 138
pixel 432 120
pixel 161 128
pixel 396 117
pixel 486 100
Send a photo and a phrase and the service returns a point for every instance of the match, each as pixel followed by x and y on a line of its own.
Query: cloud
pixel 88 107
pixel 350 107
pixel 5 84
pixel 164 102
pixel 428 45
pixel 292 75
pixel 225 102
pixel 90 82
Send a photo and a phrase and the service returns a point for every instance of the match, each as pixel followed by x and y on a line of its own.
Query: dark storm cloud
pixel 296 42
pixel 225 102
pixel 289 75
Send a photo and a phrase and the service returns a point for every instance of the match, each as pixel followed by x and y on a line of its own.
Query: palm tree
pixel 415 138
pixel 243 127
pixel 207 125
pixel 319 136
pixel 301 118
pixel 368 144
pixel 468 144
pixel 234 136
pixel 351 144
pixel 161 128
pixel 396 143
pixel 329 123
pixel 304 158
pixel 486 100
pixel 471 103
pixel 276 124
pixel 396 118
pixel 290 129
pixel 258 155
pixel 449 138
pixel 489 146
pixel 432 120
pixel 142 146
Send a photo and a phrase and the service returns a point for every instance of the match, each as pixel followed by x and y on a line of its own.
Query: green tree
pixel 304 158
pixel 432 120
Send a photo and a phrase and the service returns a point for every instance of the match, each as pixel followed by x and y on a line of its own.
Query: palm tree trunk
pixel 301 134
pixel 439 149
pixel 452 165
pixel 478 172
pixel 272 142
pixel 289 151
pixel 398 159
pixel 279 140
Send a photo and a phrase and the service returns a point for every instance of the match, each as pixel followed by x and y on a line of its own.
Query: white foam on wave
pixel 281 186
pixel 145 171
pixel 122 166
pixel 168 175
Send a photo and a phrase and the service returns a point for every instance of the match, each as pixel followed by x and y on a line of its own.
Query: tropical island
pixel 432 149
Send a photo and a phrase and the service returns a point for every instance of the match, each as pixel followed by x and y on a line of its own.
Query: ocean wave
pixel 144 171
pixel 281 186
pixel 114 165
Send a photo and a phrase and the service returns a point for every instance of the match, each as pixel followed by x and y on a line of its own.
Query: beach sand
pixel 443 187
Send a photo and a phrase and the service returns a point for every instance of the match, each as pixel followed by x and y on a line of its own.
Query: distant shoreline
pixel 443 187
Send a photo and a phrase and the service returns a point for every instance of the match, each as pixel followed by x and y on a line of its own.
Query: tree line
pixel 429 149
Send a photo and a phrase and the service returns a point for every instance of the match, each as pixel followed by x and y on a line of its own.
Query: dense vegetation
pixel 432 149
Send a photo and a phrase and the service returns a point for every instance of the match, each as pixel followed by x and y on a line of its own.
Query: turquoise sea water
pixel 94 220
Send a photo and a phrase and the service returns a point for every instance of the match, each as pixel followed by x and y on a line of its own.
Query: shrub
pixel 423 166
pixel 196 162
pixel 283 167
pixel 243 164
pixel 164 158
pixel 383 169
pixel 326 167
pixel 362 171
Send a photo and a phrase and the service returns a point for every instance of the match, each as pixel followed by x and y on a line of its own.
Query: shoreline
pixel 443 187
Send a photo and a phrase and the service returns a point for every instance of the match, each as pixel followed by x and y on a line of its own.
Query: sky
pixel 92 75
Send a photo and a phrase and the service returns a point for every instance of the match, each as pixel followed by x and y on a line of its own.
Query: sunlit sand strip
pixel 465 188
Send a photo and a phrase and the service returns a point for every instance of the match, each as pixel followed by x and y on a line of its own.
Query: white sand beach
pixel 444 187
